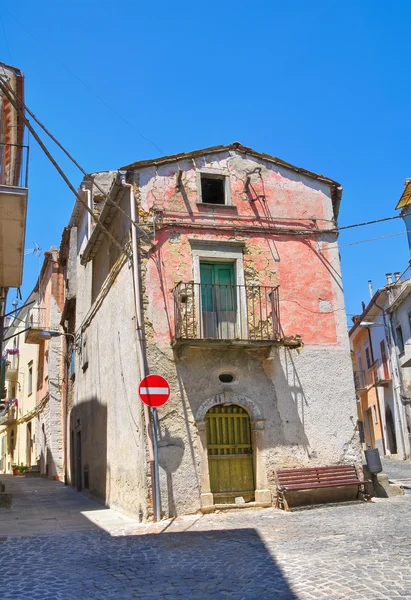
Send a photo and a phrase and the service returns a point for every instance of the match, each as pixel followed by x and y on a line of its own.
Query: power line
pixel 381 237
pixel 57 167
pixel 368 223
pixel 5 38
pixel 66 152
pixel 83 83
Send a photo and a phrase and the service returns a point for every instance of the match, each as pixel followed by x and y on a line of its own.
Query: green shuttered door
pixel 230 456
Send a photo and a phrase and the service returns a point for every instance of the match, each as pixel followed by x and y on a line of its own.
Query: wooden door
pixel 218 300
pixel 230 454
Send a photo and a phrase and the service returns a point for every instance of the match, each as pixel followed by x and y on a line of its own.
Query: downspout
pixel 396 371
pixel 139 329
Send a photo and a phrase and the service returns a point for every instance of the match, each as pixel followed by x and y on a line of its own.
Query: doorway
pixel 369 429
pixel 230 454
pixel 218 300
pixel 79 482
pixel 29 444
pixel 392 438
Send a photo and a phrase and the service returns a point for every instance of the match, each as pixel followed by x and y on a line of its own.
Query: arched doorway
pixel 230 453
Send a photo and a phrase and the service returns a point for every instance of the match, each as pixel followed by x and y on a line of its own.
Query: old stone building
pixel 236 298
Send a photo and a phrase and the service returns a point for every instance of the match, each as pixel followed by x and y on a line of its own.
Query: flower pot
pixel 16 471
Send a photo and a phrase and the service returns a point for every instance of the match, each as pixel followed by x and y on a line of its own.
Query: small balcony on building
pixel 381 372
pixel 233 315
pixel 35 324
pixel 8 415
pixel 13 210
pixel 360 381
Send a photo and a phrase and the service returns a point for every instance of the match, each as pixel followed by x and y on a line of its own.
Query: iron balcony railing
pixel 226 312
pixel 36 317
pixel 14 165
pixel 359 380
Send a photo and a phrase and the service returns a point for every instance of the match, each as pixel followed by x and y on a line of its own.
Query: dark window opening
pixel 226 377
pixel 400 339
pixel 212 190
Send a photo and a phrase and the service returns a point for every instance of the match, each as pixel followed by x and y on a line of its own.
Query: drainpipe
pixel 140 341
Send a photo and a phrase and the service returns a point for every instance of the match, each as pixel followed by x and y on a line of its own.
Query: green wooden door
pixel 230 458
pixel 218 300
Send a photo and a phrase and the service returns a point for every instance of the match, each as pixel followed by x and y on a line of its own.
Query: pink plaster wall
pixel 306 274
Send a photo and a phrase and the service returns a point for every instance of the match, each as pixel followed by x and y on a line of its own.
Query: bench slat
pixel 310 486
pixel 307 469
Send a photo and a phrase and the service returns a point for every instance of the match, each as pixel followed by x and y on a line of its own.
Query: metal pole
pixel 157 490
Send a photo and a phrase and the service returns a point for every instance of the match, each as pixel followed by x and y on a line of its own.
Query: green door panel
pixel 230 456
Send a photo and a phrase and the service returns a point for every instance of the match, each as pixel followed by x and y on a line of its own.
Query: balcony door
pixel 218 300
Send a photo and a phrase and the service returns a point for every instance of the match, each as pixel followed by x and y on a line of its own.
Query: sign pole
pixel 157 490
pixel 154 391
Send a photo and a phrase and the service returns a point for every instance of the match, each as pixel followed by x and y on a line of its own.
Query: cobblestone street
pixel 56 544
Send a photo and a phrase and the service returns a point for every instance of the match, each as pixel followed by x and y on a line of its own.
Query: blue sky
pixel 324 85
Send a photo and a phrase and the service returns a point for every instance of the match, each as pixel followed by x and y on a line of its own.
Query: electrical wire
pixel 83 83
pixel 5 38
pixel 56 165
pixel 66 152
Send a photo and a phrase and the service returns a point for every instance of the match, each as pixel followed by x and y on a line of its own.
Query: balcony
pixel 13 209
pixel 360 381
pixel 381 372
pixel 12 374
pixel 35 324
pixel 9 416
pixel 234 315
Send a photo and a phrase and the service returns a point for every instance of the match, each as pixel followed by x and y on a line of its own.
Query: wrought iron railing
pixel 14 165
pixel 360 380
pixel 36 318
pixel 226 312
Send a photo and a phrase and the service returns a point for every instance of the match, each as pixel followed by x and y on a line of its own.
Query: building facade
pixel 18 423
pixel 43 320
pixel 219 270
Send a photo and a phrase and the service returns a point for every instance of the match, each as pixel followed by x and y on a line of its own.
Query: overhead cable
pixel 20 110
pixel 84 84
pixel 66 152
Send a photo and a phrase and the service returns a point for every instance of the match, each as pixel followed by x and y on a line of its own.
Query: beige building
pixel 18 409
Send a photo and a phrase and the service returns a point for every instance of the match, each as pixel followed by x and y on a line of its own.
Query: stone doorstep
pixel 224 507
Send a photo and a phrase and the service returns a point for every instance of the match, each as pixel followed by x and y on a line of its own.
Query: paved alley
pixel 56 544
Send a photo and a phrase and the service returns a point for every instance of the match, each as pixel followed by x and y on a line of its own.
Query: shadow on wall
pixel 88 448
pixel 291 401
pixel 170 455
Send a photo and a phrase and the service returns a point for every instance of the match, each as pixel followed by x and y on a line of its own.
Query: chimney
pixel 389 277
pixel 370 288
pixel 397 275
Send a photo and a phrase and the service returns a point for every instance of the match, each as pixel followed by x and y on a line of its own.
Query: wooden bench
pixel 311 478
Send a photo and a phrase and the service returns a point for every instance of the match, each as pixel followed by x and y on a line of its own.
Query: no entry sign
pixel 154 390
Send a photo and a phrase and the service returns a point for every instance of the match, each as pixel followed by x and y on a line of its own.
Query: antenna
pixel 36 251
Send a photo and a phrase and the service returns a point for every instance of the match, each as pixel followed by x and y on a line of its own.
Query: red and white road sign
pixel 154 390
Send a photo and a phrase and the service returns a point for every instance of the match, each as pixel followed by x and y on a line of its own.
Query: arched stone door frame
pixel 262 493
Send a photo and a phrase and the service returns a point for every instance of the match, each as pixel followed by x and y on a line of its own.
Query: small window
pixel 375 414
pixel 400 339
pixel 213 189
pixel 368 357
pixel 30 379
